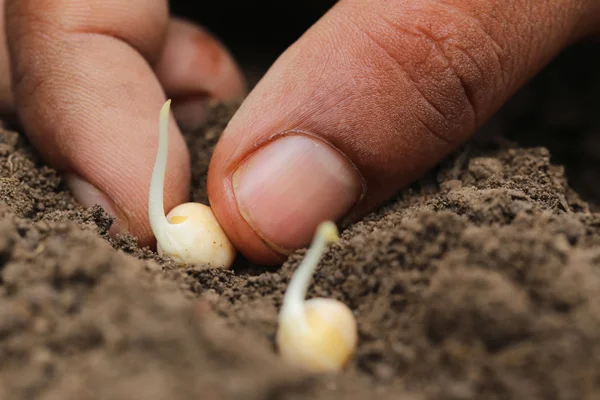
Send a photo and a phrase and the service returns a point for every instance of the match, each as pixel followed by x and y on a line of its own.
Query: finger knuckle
pixel 447 56
pixel 141 24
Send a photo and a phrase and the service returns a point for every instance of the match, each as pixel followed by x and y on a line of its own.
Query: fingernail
pixel 292 184
pixel 88 195
pixel 190 113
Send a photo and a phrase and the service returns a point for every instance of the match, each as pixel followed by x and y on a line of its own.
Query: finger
pixel 194 67
pixel 6 97
pixel 372 96
pixel 89 100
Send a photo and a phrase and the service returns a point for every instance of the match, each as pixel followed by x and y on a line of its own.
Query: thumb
pixel 372 96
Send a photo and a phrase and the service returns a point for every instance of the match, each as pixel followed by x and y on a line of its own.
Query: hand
pixel 365 102
pixel 372 96
pixel 89 78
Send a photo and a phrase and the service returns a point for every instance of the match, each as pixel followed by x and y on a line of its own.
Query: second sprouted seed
pixel 320 334
pixel 190 233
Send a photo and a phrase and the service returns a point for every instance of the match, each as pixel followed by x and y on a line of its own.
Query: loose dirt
pixel 480 281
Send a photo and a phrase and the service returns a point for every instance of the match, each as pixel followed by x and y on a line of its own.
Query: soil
pixel 480 281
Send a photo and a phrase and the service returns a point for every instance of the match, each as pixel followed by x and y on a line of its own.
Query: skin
pixel 366 101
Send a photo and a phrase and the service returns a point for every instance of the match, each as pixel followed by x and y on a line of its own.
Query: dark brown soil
pixel 481 281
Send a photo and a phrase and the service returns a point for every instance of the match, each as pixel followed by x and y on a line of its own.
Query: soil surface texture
pixel 480 281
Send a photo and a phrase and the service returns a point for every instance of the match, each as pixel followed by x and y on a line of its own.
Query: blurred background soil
pixel 480 281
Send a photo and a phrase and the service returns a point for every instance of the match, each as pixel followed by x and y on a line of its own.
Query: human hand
pixel 376 93
pixel 372 96
pixel 89 77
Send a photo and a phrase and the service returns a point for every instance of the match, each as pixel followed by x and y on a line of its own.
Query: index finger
pixel 88 98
